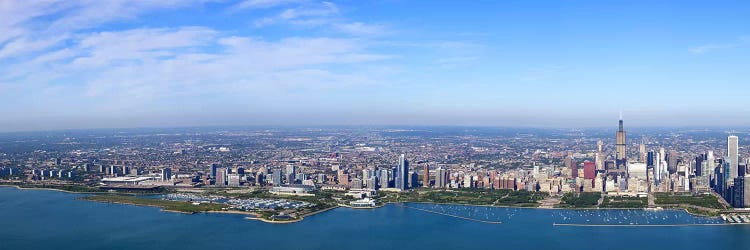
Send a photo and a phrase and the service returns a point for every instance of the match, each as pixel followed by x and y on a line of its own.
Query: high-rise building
pixel 221 177
pixel 710 162
pixel 738 199
pixel 166 174
pixel 426 175
pixel 658 167
pixel 672 161
pixel 371 183
pixel 356 183
pixel 440 178
pixel 599 160
pixel 589 170
pixel 384 178
pixel 413 179
pixel 213 169
pixel 276 177
pixel 642 153
pixel 733 157
pixel 650 158
pixel 572 165
pixel 259 176
pixel 620 146
pixel 468 181
pixel 698 163
pixel 366 173
pixel 291 170
pixel 402 177
pixel 233 180
pixel 343 178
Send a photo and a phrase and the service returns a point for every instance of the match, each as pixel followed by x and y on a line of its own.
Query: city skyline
pixel 120 64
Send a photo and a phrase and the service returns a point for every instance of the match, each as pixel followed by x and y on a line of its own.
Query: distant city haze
pixel 118 64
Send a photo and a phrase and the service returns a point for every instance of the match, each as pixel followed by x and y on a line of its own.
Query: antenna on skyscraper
pixel 621 114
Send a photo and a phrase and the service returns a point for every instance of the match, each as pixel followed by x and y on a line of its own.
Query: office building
pixel 733 157
pixel 277 177
pixel 402 176
pixel 589 170
pixel 426 175
pixel 166 174
pixel 620 146
pixel 221 177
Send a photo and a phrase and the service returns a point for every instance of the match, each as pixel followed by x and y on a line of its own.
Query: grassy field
pixel 179 206
pixel 701 200
pixel 77 188
pixel 469 197
pixel 580 200
pixel 624 202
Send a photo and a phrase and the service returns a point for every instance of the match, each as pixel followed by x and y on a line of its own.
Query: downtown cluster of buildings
pixel 300 160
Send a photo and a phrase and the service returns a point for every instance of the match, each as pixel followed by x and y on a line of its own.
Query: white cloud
pixel 358 28
pixel 263 4
pixel 309 14
pixel 324 9
pixel 711 47
pixel 75 69
pixel 740 42
pixel 141 66
pixel 21 30
pixel 25 45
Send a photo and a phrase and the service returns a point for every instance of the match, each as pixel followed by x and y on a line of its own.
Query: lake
pixel 44 219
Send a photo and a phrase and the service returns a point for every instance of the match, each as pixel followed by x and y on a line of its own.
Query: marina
pixel 38 224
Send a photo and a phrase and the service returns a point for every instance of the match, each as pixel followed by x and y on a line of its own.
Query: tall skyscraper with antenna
pixel 620 147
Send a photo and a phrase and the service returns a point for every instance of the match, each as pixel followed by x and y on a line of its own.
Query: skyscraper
pixel 733 157
pixel 589 170
pixel 275 178
pixel 426 177
pixel 213 169
pixel 383 178
pixel 221 177
pixel 402 177
pixel 672 161
pixel 291 170
pixel 642 152
pixel 621 154
pixel 166 174
pixel 440 178
pixel 650 158
pixel 599 157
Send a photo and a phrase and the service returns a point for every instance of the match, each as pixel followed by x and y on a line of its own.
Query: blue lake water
pixel 40 219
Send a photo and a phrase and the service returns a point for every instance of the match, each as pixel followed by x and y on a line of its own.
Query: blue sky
pixel 117 63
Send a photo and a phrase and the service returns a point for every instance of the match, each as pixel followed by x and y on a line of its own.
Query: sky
pixel 158 63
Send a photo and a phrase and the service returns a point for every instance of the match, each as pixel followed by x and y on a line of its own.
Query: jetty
pixel 449 215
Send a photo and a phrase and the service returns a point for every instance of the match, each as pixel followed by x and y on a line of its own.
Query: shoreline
pixel 256 215
pixel 665 207
pixel 49 189
pixel 175 211
pixel 298 219
pixel 560 208
pixel 375 207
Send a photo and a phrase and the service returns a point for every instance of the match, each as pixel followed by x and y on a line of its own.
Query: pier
pixel 639 225
pixel 450 215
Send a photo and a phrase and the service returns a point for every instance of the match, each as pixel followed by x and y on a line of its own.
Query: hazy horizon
pixel 180 63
